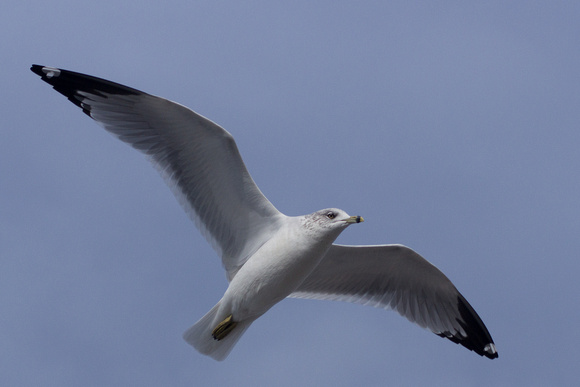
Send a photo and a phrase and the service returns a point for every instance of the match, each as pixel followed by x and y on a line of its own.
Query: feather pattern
pixel 199 160
pixel 396 277
pixel 201 163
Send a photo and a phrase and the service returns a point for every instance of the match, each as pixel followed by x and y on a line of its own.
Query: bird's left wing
pixel 199 159
pixel 396 277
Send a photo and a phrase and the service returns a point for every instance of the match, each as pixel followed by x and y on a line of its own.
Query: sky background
pixel 453 128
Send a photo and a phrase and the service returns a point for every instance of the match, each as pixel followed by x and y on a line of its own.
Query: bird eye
pixel 331 215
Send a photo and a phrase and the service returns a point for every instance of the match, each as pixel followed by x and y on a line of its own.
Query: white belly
pixel 270 275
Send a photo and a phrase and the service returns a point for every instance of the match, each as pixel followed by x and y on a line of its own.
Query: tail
pixel 200 337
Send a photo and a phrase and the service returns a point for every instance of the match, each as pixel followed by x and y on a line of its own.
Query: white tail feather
pixel 200 337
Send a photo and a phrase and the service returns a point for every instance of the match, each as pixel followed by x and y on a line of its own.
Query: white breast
pixel 273 272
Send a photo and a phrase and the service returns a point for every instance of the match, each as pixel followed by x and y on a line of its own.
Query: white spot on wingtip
pixel 51 72
pixel 490 348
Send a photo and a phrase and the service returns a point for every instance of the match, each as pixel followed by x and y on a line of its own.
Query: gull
pixel 267 255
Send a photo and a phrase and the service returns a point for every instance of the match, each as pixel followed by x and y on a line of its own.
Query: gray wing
pixel 199 159
pixel 396 277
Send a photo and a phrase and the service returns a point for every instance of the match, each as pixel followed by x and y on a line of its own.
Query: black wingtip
pixel 70 83
pixel 478 338
pixel 78 81
pixel 36 69
pixel 69 86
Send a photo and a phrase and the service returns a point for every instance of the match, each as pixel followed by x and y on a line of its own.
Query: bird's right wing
pixel 396 277
pixel 198 158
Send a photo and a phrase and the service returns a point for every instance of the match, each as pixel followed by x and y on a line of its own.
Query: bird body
pixel 272 273
pixel 267 255
pixel 280 265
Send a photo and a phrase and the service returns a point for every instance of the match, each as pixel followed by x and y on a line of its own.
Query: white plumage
pixel 267 255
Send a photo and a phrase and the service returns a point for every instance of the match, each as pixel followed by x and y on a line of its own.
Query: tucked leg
pixel 224 328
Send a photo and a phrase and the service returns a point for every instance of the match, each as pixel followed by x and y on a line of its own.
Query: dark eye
pixel 331 215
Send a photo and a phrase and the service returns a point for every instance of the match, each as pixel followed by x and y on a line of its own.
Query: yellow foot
pixel 224 328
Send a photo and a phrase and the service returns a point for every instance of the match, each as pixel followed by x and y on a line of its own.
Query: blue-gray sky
pixel 452 128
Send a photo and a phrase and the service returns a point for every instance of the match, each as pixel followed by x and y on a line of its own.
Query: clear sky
pixel 453 128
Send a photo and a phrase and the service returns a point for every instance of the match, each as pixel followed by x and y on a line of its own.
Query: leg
pixel 224 328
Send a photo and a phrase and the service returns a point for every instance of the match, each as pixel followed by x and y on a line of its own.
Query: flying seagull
pixel 267 255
